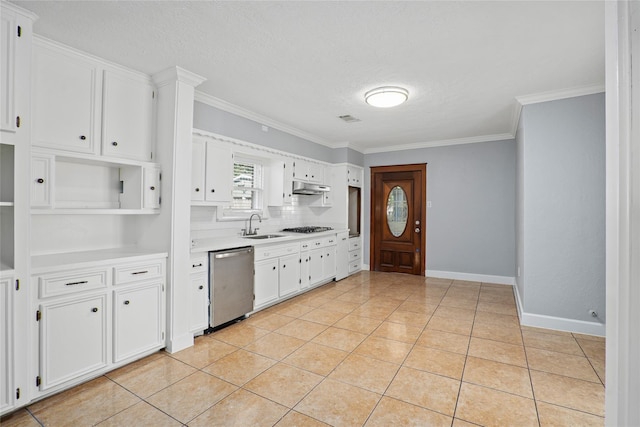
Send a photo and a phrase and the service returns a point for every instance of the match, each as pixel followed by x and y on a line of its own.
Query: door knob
pixel 417 230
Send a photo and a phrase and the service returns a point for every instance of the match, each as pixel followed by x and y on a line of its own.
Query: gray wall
pixel 471 224
pixel 563 214
pixel 214 120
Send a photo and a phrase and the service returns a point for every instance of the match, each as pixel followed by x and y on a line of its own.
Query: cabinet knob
pixel 197 190
pixel 114 143
pixel 82 137
pixel 152 188
pixel 200 287
pixel 284 266
pixel 274 268
pixel 94 309
pixel 40 181
pixel 127 302
pixel 213 190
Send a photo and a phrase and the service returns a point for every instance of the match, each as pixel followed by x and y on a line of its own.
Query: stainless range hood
pixel 309 189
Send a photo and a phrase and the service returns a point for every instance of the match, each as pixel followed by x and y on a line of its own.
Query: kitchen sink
pixel 264 236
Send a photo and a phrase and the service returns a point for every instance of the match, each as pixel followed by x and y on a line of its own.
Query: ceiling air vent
pixel 349 118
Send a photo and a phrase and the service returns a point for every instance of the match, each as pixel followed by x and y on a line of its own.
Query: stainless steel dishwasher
pixel 231 281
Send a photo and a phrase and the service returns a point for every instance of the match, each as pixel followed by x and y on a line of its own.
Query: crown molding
pixel 441 143
pixel 550 96
pixel 259 118
pixel 20 10
pixel 559 94
pixel 173 74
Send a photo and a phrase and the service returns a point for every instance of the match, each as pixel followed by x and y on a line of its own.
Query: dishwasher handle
pixel 233 253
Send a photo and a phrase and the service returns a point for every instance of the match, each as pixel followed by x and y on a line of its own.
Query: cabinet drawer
pixel 354 266
pixel 198 263
pixel 354 244
pixel 330 241
pixel 129 273
pixel 72 281
pixel 267 252
pixel 354 255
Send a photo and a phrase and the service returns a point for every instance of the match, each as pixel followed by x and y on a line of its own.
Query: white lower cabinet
pixel 137 320
pixel 73 339
pixel 265 282
pixel 94 317
pixel 199 302
pixel 289 279
pixel 316 258
pixel 198 293
pixel 6 344
pixel 342 256
pixel 322 260
pixel 276 273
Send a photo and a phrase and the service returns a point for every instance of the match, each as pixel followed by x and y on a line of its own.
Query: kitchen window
pixel 248 184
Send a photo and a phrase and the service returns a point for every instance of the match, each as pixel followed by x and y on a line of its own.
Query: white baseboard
pixel 557 323
pixel 365 267
pixel 176 344
pixel 486 278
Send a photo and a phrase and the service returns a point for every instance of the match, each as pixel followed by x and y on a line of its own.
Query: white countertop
pixel 230 242
pixel 64 261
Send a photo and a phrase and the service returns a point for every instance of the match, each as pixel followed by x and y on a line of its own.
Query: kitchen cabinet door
pixel 199 302
pixel 304 270
pixel 137 320
pixel 342 256
pixel 329 262
pixel 219 173
pixel 316 173
pixel 73 339
pixel 6 344
pixel 8 26
pixel 127 117
pixel 316 257
pixel 151 192
pixel 289 274
pixel 65 100
pixel 198 161
pixel 265 282
pixel 42 173
pixel 280 183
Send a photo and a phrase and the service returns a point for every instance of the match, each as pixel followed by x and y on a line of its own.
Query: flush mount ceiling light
pixel 386 96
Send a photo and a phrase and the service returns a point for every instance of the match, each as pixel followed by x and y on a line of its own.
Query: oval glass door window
pixel 397 211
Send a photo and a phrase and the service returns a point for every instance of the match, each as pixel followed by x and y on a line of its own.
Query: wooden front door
pixel 398 218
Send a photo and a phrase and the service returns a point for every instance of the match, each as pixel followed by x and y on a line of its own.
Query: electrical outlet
pixel 518 271
pixel 428 203
pixel 265 128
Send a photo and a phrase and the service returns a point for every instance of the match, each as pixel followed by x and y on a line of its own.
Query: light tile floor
pixel 374 349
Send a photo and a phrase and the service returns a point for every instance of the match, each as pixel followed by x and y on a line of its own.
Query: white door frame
pixel 623 214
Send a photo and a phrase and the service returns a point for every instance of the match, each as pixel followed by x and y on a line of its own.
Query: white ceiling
pixel 299 65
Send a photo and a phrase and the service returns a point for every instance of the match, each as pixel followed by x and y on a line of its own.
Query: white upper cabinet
pixel 308 171
pixel 280 182
pixel 211 172
pixel 354 176
pixel 219 174
pixel 82 105
pixel 127 117
pixel 198 152
pixel 15 80
pixel 65 95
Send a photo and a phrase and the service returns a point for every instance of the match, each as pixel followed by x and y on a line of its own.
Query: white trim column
pixel 623 214
pixel 170 229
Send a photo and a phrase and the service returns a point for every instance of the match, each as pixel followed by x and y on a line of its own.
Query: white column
pixel 622 20
pixel 171 228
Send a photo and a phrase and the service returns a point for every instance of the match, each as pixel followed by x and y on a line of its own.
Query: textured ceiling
pixel 302 64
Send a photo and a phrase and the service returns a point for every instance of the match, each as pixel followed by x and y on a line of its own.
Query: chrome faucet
pixel 252 232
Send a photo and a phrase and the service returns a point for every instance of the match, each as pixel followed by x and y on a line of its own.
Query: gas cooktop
pixel 307 229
